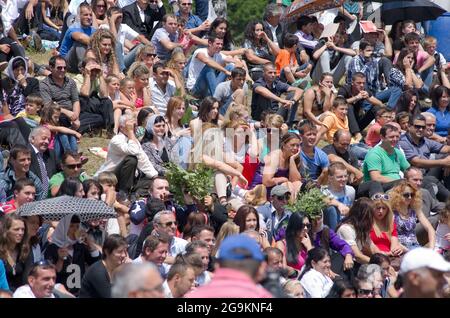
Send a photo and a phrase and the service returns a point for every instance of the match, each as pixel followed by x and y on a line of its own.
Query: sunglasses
pixel 408 195
pixel 381 196
pixel 287 196
pixel 307 225
pixel 43 263
pixel 150 55
pixel 418 127
pixel 167 224
pixel 76 165
pixel 60 68
pixel 365 291
pixel 186 4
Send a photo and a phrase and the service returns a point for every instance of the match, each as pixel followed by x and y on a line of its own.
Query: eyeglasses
pixel 101 6
pixel 381 196
pixel 60 68
pixel 365 291
pixel 418 127
pixel 307 225
pixel 186 4
pixel 408 195
pixel 76 165
pixel 170 223
pixel 287 196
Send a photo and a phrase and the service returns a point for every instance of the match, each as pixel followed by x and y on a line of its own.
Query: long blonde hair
pixel 227 229
pixel 257 196
pixel 388 221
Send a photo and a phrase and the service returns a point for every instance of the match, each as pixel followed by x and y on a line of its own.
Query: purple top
pixel 336 243
pixel 257 179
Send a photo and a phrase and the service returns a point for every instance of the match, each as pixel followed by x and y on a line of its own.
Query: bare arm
pixel 426 163
pixel 169 45
pixel 254 59
pixel 270 167
pixel 428 227
pixel 81 37
pixel 375 175
pixel 308 101
pixel 429 62
pixel 211 63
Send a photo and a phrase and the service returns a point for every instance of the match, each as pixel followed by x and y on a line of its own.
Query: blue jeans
pixel 331 217
pixel 223 109
pixel 64 143
pixel 427 77
pixel 125 60
pixel 184 150
pixel 49 33
pixel 207 81
pixel 390 96
pixel 359 150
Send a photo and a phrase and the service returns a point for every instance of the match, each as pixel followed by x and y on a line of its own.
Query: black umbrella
pixel 55 209
pixel 417 10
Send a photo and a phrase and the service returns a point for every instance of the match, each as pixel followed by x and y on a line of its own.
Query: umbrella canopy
pixel 306 7
pixel 55 209
pixel 417 10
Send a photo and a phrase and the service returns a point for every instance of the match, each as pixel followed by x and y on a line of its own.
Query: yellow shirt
pixel 36 118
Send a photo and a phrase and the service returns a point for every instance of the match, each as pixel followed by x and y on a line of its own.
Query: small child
pixel 119 107
pixel 430 45
pixel 128 91
pixel 443 231
pixel 402 119
pixel 33 105
pixel 382 117
pixel 63 139
pixel 286 62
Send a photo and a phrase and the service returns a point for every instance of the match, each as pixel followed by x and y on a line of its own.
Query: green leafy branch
pixel 311 202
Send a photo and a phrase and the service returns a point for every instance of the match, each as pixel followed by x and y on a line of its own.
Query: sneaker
pixel 428 100
pixel 36 41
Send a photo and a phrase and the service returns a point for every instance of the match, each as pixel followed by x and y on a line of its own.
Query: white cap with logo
pixel 424 257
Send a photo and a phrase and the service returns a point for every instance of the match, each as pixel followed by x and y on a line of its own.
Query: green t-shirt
pixel 389 165
pixel 58 178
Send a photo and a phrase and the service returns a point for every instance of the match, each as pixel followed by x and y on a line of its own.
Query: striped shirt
pixel 65 95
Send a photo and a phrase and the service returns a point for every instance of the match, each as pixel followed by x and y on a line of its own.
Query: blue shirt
pixel 442 120
pixel 312 167
pixel 193 21
pixel 68 41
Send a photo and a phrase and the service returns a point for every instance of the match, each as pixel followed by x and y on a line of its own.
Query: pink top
pixel 373 138
pixel 301 258
pixel 421 58
pixel 51 144
pixel 230 283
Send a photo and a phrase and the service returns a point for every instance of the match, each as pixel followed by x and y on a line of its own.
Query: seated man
pixel 165 39
pixel 418 148
pixel 41 282
pixel 267 93
pixel 359 115
pixel 77 38
pixel 155 250
pixel 234 90
pixel 338 151
pixel 24 192
pixel 19 167
pixel 332 57
pixel 125 155
pixel 314 161
pixel 193 23
pixel 141 16
pixel 430 132
pixel 71 168
pixel 61 89
pixel 383 164
pixel 180 280
pixel 162 89
pixel 208 68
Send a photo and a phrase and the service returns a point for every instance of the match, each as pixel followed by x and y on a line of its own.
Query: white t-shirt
pixel 316 284
pixel 26 292
pixel 196 66
pixel 124 33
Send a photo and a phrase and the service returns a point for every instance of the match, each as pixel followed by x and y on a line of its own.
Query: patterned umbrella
pixel 306 7
pixel 55 209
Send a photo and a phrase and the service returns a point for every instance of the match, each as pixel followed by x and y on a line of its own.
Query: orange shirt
pixel 285 58
pixel 333 124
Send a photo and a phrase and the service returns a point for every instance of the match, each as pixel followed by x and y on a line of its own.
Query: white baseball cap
pixel 424 257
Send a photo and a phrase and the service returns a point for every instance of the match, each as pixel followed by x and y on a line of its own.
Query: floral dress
pixel 406 229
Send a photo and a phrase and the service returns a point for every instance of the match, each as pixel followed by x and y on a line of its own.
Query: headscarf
pixel 59 236
pixel 10 67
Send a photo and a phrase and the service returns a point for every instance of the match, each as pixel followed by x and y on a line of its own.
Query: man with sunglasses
pixel 142 16
pixel 193 23
pixel 71 166
pixel 277 223
pixel 418 149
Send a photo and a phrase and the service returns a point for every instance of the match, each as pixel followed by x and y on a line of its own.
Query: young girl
pixel 119 106
pixel 443 232
pixel 140 75
pixel 62 139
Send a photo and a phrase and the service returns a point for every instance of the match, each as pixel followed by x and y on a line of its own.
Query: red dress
pixel 383 242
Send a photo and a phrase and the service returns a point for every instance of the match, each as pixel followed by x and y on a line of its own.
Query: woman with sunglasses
pixel 384 230
pixel 355 229
pixel 99 13
pixel 147 55
pixel 406 201
pixel 14 249
pixel 297 242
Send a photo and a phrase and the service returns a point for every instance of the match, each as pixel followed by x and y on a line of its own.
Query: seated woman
pixel 65 249
pixel 318 98
pixel 51 15
pixel 177 64
pixel 260 49
pixel 281 166
pixel 156 145
pixel 275 127
pixel 146 54
pixel 140 74
pixel 208 149
pixel 402 74
pixel 99 13
pixel 409 102
pixel 102 48
pixel 406 202
pixel 441 109
pixel 257 197
pixel 316 277
pixel 16 87
pixel 355 229
pixel 297 243
pixel 208 112
pixel 384 230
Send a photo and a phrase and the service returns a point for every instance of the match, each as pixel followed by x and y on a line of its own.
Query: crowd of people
pixel 362 115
